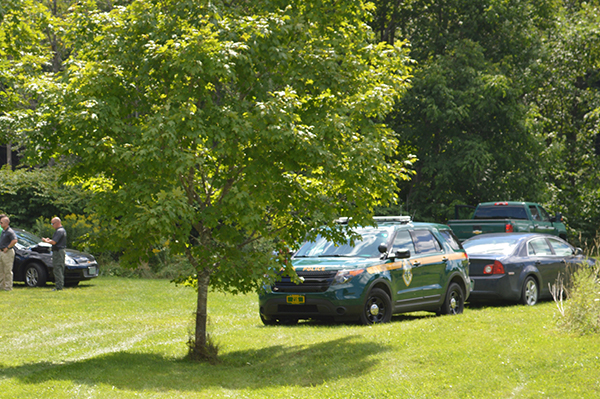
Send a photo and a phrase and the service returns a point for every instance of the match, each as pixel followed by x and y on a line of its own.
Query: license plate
pixel 92 270
pixel 295 299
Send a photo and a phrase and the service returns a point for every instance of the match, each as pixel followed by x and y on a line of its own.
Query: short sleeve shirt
pixel 60 238
pixel 7 236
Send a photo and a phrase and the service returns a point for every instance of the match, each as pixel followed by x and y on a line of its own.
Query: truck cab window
pixel 534 212
pixel 544 215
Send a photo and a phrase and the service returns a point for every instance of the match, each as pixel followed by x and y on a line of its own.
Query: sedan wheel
pixel 35 275
pixel 529 295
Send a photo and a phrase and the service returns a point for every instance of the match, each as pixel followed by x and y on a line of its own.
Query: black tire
pixel 377 308
pixel 455 300
pixel 35 275
pixel 288 321
pixel 268 322
pixel 530 292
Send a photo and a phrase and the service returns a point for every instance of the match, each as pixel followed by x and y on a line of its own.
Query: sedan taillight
pixel 495 268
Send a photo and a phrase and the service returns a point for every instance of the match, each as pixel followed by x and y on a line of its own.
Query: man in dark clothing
pixel 59 243
pixel 8 239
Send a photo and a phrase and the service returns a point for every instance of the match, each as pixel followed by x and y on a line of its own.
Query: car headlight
pixel 344 276
pixel 70 261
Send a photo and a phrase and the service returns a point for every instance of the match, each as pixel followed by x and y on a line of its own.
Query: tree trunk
pixel 201 348
pixel 9 155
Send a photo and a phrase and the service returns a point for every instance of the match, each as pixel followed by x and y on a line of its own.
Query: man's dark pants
pixel 58 264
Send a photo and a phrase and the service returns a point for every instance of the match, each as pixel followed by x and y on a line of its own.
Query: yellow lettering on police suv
pixel 314 269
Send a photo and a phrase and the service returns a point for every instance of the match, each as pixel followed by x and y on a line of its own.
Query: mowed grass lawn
pixel 126 338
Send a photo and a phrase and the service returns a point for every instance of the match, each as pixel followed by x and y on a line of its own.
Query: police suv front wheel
pixel 377 308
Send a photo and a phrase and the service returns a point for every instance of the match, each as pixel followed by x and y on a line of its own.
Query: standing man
pixel 8 239
pixel 59 243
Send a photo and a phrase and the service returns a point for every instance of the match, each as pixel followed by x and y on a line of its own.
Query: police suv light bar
pixel 401 219
pixel 379 219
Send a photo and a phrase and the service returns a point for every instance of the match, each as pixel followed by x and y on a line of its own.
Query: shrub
pixel 161 265
pixel 29 194
pixel 80 231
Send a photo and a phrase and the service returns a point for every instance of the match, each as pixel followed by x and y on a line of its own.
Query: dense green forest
pixel 504 104
pixel 218 129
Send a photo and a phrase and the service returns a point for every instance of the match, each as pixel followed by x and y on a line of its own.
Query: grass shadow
pixel 405 317
pixel 270 366
pixel 22 286
pixel 497 303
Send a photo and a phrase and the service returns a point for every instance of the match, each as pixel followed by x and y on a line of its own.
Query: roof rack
pixel 343 220
pixel 401 219
pixel 379 219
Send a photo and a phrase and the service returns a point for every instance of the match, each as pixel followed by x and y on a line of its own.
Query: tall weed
pixel 581 312
pixel 590 246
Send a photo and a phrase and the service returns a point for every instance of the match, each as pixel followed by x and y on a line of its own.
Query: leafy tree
pixel 568 114
pixel 212 127
pixel 26 195
pixel 31 51
pixel 467 116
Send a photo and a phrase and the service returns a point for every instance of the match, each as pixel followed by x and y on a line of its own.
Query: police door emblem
pixel 407 275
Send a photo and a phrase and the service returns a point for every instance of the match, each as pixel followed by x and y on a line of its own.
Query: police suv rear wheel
pixel 455 300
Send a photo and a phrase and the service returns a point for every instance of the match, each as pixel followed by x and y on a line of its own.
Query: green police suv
pixel 399 266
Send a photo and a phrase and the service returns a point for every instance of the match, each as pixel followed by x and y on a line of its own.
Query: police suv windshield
pixel 366 246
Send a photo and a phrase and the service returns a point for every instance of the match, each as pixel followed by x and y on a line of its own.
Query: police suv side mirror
pixel 578 251
pixel 402 254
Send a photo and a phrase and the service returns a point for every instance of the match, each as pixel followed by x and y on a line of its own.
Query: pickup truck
pixel 508 217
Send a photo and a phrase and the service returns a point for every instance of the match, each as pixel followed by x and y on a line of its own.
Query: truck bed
pixel 467 228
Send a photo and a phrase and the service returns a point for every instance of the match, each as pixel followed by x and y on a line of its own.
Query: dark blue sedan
pixel 519 266
pixel 33 262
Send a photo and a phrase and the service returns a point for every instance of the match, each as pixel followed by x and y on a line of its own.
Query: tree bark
pixel 9 154
pixel 201 350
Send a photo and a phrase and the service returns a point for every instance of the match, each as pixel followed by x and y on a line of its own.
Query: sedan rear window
pixel 561 248
pixel 490 245
pixel 539 247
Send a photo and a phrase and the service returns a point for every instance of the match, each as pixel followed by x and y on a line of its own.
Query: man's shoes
pixel 56 289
